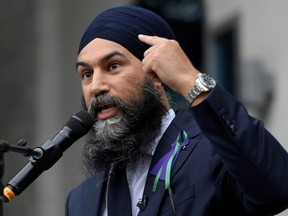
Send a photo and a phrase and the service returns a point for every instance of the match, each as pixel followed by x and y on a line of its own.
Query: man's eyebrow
pixel 110 55
pixel 103 59
pixel 80 63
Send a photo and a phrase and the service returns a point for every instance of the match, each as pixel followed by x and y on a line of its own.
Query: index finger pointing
pixel 150 40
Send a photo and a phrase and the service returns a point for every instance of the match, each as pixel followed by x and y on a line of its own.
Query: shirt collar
pixel 167 119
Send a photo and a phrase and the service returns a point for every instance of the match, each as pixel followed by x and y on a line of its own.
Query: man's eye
pixel 113 66
pixel 86 75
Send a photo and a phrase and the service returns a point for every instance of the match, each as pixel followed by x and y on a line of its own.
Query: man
pixel 209 159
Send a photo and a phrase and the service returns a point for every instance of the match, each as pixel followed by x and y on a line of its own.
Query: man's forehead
pixel 103 49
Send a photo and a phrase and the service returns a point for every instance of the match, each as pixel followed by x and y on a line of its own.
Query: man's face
pixel 107 67
pixel 126 104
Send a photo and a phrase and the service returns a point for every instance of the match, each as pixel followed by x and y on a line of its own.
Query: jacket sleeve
pixel 254 159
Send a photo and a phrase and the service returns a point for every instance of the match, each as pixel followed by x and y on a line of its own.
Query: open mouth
pixel 106 111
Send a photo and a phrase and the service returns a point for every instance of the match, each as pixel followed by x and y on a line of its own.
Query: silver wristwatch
pixel 203 83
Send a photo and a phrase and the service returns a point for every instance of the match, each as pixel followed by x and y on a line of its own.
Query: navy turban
pixel 123 24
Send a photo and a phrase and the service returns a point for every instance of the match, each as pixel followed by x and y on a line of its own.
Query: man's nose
pixel 99 84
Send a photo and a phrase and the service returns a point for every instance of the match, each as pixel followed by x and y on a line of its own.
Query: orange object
pixel 8 193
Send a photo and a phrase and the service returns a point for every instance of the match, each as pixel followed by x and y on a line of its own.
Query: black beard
pixel 129 140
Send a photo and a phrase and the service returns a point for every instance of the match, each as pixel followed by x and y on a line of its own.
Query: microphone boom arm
pixel 48 154
pixel 26 151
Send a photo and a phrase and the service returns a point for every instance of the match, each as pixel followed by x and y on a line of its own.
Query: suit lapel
pixel 183 120
pixel 93 195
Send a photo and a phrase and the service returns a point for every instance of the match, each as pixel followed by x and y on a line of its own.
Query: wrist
pixel 201 88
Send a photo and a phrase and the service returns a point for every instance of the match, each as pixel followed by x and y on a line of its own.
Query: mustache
pixel 105 99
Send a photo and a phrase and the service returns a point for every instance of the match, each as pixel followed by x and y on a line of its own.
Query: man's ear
pixel 158 85
pixel 157 82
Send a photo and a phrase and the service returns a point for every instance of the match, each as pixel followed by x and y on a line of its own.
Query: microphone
pixel 142 203
pixel 49 153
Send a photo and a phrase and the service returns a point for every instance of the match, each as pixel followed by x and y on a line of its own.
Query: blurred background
pixel 243 44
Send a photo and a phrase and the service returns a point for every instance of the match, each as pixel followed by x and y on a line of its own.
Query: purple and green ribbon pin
pixel 162 169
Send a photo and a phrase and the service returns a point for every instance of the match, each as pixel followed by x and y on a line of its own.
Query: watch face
pixel 207 81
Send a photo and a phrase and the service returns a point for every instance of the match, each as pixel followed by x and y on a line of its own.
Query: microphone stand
pixel 20 147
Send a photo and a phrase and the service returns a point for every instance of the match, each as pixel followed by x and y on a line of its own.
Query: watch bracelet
pixel 197 89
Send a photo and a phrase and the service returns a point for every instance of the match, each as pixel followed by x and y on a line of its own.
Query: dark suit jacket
pixel 232 166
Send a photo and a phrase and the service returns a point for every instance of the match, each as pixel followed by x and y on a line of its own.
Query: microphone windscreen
pixel 80 123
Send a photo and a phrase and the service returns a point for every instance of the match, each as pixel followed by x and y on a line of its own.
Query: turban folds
pixel 123 24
